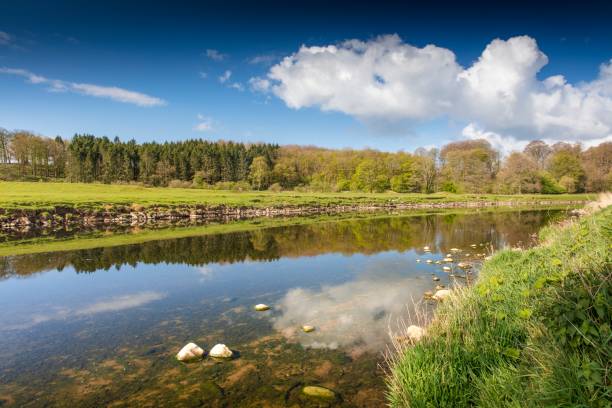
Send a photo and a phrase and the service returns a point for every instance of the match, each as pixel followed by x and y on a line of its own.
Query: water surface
pixel 101 327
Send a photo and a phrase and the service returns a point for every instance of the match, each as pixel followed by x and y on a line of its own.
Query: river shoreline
pixel 19 220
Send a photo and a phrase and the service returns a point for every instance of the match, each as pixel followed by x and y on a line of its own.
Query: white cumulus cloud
pixel 500 93
pixel 109 92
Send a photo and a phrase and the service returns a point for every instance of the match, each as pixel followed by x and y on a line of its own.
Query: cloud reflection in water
pixel 357 314
pixel 112 304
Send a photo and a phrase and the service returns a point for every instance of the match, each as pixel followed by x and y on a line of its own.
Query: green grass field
pixel 33 195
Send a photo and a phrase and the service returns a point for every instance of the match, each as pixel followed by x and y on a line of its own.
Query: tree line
pixel 471 166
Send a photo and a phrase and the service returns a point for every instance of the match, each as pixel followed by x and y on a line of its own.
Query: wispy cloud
pixel 5 38
pixel 205 124
pixel 67 38
pixel 225 77
pixel 264 59
pixel 237 86
pixel 10 41
pixel 108 92
pixel 203 74
pixel 215 55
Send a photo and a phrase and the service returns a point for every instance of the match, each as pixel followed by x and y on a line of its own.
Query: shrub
pixel 276 187
pixel 179 184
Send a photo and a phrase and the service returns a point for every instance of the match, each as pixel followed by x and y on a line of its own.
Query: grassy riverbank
pixel 534 331
pixel 44 196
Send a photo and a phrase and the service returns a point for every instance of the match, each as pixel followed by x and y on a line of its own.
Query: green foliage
pixel 549 185
pixel 259 173
pixel 471 166
pixel 450 187
pixel 566 167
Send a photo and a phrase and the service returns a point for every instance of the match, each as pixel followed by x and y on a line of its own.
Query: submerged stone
pixel 262 307
pixel 319 392
pixel 448 259
pixel 435 278
pixel 455 249
pixel 220 351
pixel 307 328
pixel 446 268
pixel 189 352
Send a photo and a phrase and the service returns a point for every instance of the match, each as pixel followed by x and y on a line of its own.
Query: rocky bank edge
pixel 19 219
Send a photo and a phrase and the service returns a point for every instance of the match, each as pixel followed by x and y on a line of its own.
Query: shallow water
pixel 101 327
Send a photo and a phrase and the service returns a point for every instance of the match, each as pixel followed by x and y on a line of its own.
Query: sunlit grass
pixel 518 338
pixel 48 195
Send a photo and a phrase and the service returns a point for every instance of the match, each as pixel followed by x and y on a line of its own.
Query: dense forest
pixel 471 166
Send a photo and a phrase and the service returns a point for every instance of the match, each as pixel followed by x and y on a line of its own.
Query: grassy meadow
pixel 534 331
pixel 45 195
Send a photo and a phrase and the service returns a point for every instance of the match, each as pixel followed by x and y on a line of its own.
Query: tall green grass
pixel 534 331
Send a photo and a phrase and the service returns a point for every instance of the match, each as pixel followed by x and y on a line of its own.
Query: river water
pixel 101 327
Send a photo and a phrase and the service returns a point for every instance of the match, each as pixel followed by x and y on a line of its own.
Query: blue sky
pixel 176 53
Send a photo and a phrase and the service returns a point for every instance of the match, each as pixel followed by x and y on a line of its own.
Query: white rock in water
pixel 446 268
pixel 418 260
pixel 435 278
pixel 441 294
pixel 429 261
pixel 191 351
pixel 426 248
pixel 448 259
pixel 261 307
pixel 455 250
pixel 220 351
pixel 415 333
